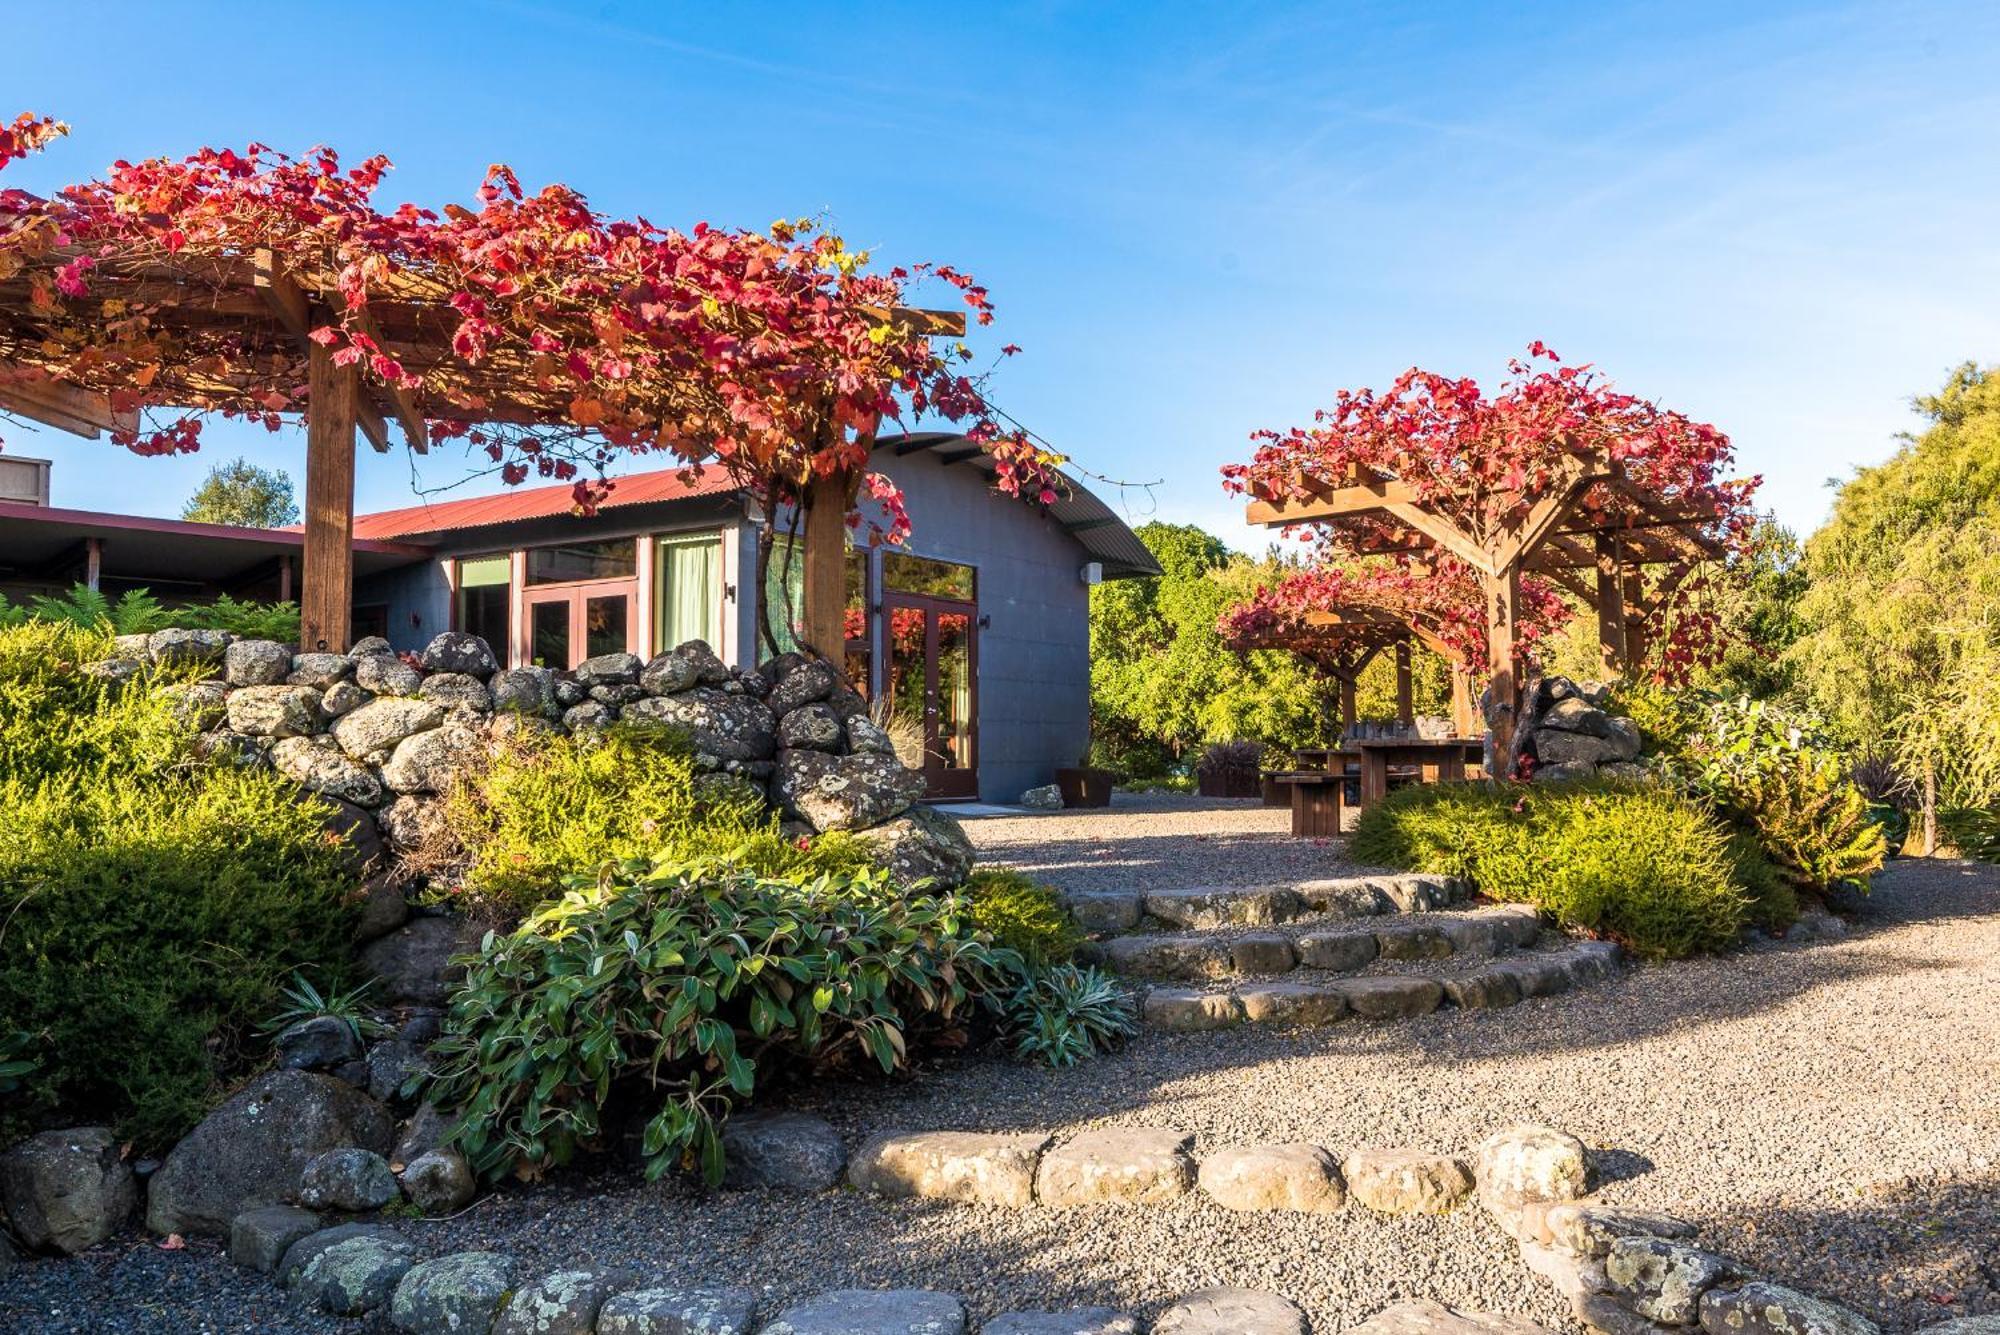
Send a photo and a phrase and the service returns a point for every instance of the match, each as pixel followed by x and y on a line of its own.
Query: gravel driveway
pixel 1828 1112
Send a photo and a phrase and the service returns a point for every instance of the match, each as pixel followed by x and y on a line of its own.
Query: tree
pixel 1901 616
pixel 553 338
pixel 1161 680
pixel 245 495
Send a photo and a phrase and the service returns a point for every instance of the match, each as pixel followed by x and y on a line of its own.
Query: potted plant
pixel 1230 769
pixel 1085 784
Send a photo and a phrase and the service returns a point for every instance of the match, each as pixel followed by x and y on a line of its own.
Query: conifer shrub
pixel 1645 865
pixel 1022 914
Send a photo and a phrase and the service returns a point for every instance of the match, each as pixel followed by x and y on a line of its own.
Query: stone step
pixel 1485 985
pixel 1328 944
pixel 1203 907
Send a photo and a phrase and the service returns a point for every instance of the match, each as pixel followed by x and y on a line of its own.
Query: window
pixel 574 562
pixel 786 597
pixel 903 573
pixel 687 589
pixel 485 601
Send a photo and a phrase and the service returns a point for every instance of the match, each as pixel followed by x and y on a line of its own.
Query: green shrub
pixel 677 985
pixel 1062 1015
pixel 150 905
pixel 1772 773
pixel 1973 831
pixel 138 612
pixel 548 806
pixel 1645 865
pixel 1023 915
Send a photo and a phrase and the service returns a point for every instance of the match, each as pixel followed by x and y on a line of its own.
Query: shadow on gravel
pixel 1906 1254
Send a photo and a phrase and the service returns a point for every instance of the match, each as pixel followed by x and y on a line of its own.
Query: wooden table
pixel 1441 761
pixel 1315 804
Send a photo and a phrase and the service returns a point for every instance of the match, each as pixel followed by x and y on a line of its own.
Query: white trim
pixel 646 598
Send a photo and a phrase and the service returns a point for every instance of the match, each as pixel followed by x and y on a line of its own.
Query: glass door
pixel 568 625
pixel 932 684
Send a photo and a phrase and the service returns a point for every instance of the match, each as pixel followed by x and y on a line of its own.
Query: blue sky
pixel 1196 219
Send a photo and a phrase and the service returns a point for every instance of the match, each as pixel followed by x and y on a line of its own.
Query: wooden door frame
pixel 577 594
pixel 935 773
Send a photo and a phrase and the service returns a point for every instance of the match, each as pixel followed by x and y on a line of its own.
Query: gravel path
pixel 1160 841
pixel 1827 1112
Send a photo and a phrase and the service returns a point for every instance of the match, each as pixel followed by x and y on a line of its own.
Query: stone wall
pixel 1571 734
pixel 384 734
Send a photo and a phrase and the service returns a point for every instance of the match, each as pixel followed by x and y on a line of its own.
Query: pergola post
pixel 1406 699
pixel 1347 715
pixel 824 615
pixel 1503 600
pixel 1634 581
pixel 326 603
pixel 1611 635
pixel 1463 722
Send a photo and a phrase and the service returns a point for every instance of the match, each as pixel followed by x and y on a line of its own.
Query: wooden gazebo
pixel 1590 519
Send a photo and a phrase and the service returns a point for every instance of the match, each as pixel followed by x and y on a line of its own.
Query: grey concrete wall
pixel 419 602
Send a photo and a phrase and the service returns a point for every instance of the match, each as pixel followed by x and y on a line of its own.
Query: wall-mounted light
pixel 986 621
pixel 416 619
pixel 729 593
pixel 1092 572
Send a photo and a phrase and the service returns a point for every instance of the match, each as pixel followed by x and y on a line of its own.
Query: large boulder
pixel 274 711
pixel 1525 1166
pixel 620 669
pixel 1662 1280
pixel 65 1191
pixel 1556 747
pixel 253 1149
pixel 459 651
pixel 1406 1181
pixel 843 792
pixel 414 961
pixel 728 727
pixel 318 764
pixel 426 762
pixel 459 692
pixel 319 670
pixel 1424 1317
pixel 923 845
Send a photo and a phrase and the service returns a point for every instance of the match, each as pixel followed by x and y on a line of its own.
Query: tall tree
pixel 241 493
pixel 1902 613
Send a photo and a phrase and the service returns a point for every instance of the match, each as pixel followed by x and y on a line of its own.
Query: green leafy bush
pixel 1645 865
pixel 1770 772
pixel 150 905
pixel 1973 831
pixel 677 985
pixel 138 612
pixel 547 806
pixel 1063 1015
pixel 1023 915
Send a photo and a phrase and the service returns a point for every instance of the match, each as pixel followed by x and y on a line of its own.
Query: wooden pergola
pixel 237 326
pixel 1591 518
pixel 1342 641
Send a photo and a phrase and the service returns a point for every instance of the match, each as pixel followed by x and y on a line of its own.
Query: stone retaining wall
pixel 384 734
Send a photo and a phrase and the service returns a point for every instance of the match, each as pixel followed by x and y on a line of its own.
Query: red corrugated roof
pixel 534 503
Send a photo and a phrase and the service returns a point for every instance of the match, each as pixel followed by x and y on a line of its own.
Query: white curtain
pixel 689 596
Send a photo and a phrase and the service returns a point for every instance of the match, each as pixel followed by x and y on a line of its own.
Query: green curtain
pixel 688 594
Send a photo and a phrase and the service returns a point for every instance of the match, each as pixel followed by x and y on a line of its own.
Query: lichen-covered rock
pixel 814 727
pixel 353 1276
pixel 783 1151
pixel 66 1190
pixel 620 669
pixel 372 732
pixel 1391 997
pixel 843 792
pixel 274 711
pixel 316 1043
pixel 458 692
pixel 462 1291
pixel 864 737
pixel 200 704
pixel 1300 1178
pixel 459 651
pixel 252 1150
pixel 1572 1274
pixel 439 1182
pixel 414 961
pixel 1048 797
pixel 922 846
pixel 524 690
pixel 1424 1317
pixel 1589 1229
pixel 565 1303
pixel 665 1311
pixel 256 663
pixel 319 764
pixel 178 646
pixel 1524 1165
pixel 1229 1311
pixel 369 645
pixel 1131 1165
pixel 805 682
pixel 342 698
pixel 426 762
pixel 950 1165
pixel 1076 1321
pixel 1760 1308
pixel 392 1063
pixel 1663 1280
pixel 411 821
pixel 351 1180
pixel 729 727
pixel 872 1312
pixel 1303 1005
pixel 1406 1181
pixel 318 670
pixel 684 667
pixel 386 674
pixel 1203 907
pixel 259 1238
pixel 589 716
